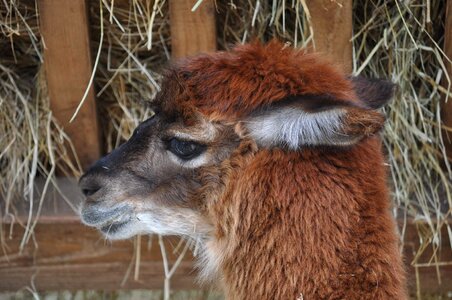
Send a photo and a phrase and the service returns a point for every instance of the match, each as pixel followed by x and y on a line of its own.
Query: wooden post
pixel 332 26
pixel 446 108
pixel 192 32
pixel 67 59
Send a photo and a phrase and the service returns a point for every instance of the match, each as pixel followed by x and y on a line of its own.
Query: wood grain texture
pixel 432 280
pixel 68 66
pixel 192 32
pixel 332 26
pixel 59 206
pixel 446 109
pixel 71 256
pixel 67 255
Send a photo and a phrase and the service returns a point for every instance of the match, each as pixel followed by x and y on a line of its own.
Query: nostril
pixel 90 191
pixel 89 185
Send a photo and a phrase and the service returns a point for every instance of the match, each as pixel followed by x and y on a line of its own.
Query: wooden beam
pixel 71 256
pixel 65 254
pixel 446 107
pixel 432 279
pixel 192 32
pixel 332 26
pixel 59 205
pixel 67 59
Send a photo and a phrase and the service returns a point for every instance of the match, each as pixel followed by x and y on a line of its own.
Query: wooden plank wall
pixel 332 26
pixel 67 255
pixel 67 58
pixel 192 32
pixel 433 270
pixel 446 108
pixel 72 256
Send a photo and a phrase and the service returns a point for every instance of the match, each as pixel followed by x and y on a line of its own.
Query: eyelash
pixel 185 149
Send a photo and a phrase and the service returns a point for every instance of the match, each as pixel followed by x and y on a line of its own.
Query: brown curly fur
pixel 229 85
pixel 308 223
pixel 312 224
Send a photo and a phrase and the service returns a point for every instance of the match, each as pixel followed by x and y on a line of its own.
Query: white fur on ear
pixel 293 127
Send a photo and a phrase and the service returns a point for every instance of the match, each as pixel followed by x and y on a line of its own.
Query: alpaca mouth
pixel 97 215
pixel 113 227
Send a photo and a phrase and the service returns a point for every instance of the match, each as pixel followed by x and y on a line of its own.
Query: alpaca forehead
pixel 198 129
pixel 230 85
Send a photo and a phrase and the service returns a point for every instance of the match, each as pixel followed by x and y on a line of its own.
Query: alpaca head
pixel 215 107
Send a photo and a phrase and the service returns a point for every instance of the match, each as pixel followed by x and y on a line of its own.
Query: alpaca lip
pixel 96 215
pixel 113 227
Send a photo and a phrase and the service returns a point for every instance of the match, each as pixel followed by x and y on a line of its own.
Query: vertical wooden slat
pixel 67 56
pixel 446 109
pixel 332 26
pixel 192 32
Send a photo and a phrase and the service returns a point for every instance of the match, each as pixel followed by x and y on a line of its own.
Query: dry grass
pixel 136 46
pixel 31 141
pixel 396 40
pixel 242 21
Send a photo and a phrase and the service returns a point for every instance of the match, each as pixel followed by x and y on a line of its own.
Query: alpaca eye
pixel 185 149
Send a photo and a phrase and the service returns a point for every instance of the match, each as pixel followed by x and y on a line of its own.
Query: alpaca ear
pixel 374 93
pixel 312 121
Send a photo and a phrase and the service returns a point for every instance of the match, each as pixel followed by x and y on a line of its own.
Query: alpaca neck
pixel 291 226
pixel 275 224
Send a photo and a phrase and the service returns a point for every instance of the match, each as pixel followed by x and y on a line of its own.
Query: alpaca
pixel 270 158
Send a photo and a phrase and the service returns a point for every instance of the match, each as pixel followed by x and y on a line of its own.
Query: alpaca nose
pixel 95 179
pixel 100 174
pixel 89 185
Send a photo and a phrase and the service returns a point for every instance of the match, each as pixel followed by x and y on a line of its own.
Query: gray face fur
pixel 143 187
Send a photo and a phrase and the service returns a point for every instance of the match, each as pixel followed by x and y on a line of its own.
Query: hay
pixel 130 65
pixel 396 40
pixel 243 21
pixel 392 40
pixel 31 141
